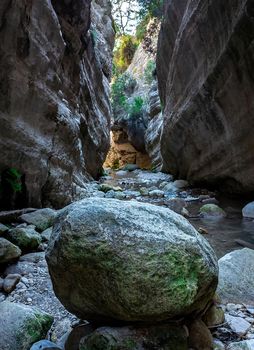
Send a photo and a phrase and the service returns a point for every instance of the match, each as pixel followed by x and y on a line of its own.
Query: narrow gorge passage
pixel 126 175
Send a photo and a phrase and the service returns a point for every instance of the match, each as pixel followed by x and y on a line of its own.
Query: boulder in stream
pixel 129 261
pixel 236 279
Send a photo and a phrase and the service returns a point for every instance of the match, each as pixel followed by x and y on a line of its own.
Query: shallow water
pixel 222 232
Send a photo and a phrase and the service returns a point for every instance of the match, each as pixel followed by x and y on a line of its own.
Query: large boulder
pixel 161 337
pixel 129 261
pixel 21 326
pixel 236 279
pixel 205 55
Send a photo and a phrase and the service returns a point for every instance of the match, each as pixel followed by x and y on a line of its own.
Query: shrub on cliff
pixel 124 52
pixel 123 85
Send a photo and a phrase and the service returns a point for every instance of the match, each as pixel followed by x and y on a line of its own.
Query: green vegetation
pixel 12 177
pixel 149 71
pixel 124 52
pixel 136 107
pixel 153 8
pixel 141 28
pixel 121 85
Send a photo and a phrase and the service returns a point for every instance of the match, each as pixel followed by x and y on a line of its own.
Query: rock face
pixel 129 262
pixel 205 55
pixel 122 152
pixel 138 82
pixel 236 281
pixel 54 109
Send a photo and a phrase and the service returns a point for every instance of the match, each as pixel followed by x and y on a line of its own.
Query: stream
pixel 222 232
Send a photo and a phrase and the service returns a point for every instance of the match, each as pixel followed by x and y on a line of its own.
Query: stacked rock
pixel 130 264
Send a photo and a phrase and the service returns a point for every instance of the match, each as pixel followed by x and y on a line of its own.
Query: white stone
pixel 248 210
pixel 242 345
pixel 238 325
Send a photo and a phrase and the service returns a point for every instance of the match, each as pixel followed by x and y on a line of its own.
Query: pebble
pixel 10 282
pixel 238 325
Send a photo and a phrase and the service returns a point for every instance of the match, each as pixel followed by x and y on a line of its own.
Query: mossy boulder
pixel 21 326
pixel 163 337
pixel 129 261
pixel 8 251
pixel 41 219
pixel 212 210
pixel 25 237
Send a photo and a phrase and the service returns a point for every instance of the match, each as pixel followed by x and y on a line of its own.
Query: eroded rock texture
pixel 206 83
pixel 54 105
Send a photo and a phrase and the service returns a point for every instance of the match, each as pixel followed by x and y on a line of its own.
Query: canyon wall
pixel 206 82
pixel 54 94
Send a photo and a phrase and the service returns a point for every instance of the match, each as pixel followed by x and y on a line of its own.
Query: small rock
pixel 242 345
pixel 181 184
pixel 8 251
pixel 200 338
pixel 3 229
pixel 238 325
pixel 210 201
pixel 185 212
pixel 211 210
pixel 203 231
pixel 233 307
pixel 99 194
pixel 156 193
pixel 214 316
pixel 10 282
pixel 45 235
pixel 130 167
pixel 176 204
pixel 42 218
pixel 45 345
pixel 122 173
pixel 106 188
pixel 26 238
pixel 110 194
pixel 1 283
pixel 120 195
pixel 250 310
pixel 248 211
pixel 218 345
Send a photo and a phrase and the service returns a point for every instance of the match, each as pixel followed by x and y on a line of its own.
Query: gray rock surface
pixel 41 219
pixel 21 326
pixel 204 61
pixel 8 251
pixel 238 324
pixel 248 211
pixel 163 337
pixel 212 210
pixel 55 108
pixel 236 280
pixel 242 345
pixel 26 238
pixel 10 282
pixel 131 262
pixel 45 345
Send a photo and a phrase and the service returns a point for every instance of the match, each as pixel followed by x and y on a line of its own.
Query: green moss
pixel 35 329
pixel 129 344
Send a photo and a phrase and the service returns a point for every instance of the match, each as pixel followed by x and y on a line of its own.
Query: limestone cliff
pixel 54 95
pixel 206 82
